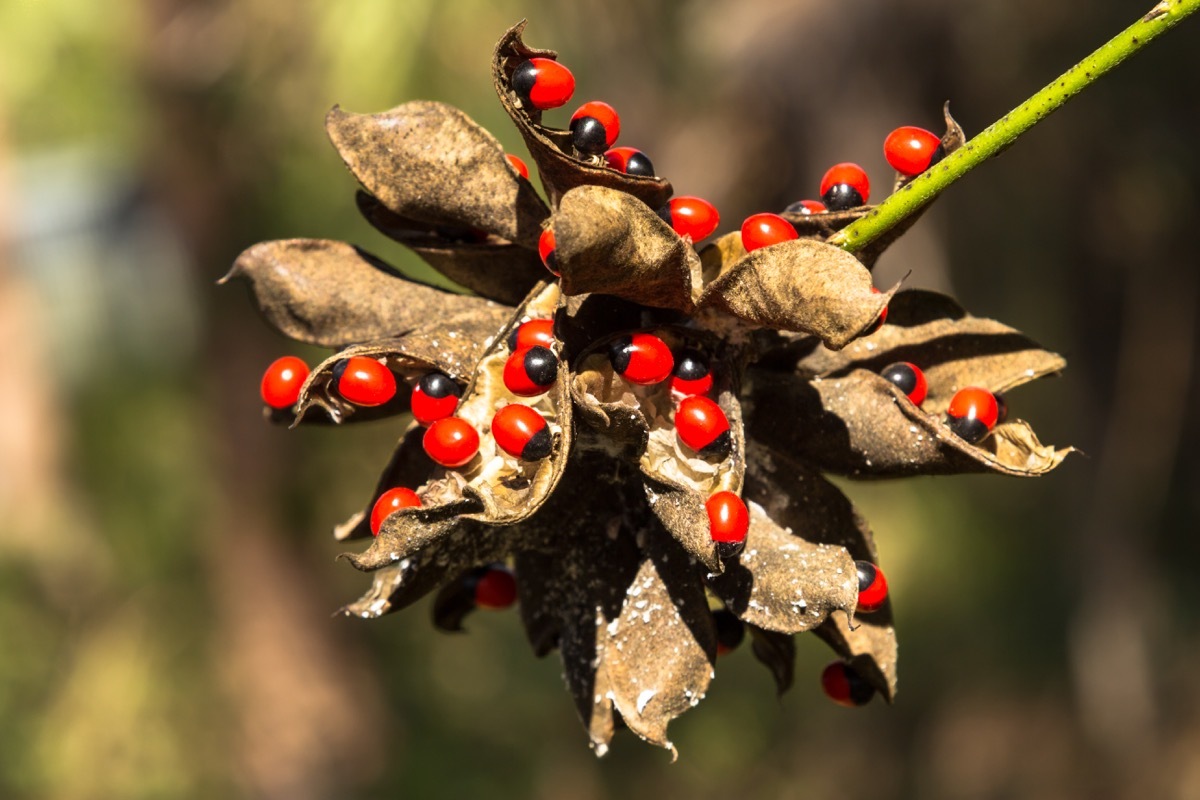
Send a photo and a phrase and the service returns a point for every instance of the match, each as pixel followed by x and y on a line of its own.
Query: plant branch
pixel 923 189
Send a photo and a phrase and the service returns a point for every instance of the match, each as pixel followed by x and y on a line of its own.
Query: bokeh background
pixel 166 569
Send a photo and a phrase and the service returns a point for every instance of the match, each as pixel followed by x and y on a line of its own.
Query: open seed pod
pixel 640 437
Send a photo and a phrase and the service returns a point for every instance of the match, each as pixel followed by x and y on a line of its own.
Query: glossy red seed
pixel 908 378
pixel 495 589
pixel 850 174
pixel 642 358
pixel 521 432
pixel 693 216
pixel 451 442
pixel 728 518
pixel 808 207
pixel 700 422
pixel 530 371
pixel 974 403
pixel 872 587
pixel 691 374
pixel 434 397
pixel 762 230
pixel 518 165
pixel 544 82
pixel 546 247
pixel 844 686
pixel 366 382
pixel 281 382
pixel 909 149
pixel 391 500
pixel 530 333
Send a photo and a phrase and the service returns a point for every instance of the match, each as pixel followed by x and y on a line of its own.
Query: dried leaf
pixel 492 268
pixel 861 425
pixel 610 243
pixel 430 162
pixel 811 506
pixel 551 148
pixel 953 348
pixel 802 285
pixel 777 652
pixel 665 611
pixel 678 480
pixel 782 582
pixel 332 294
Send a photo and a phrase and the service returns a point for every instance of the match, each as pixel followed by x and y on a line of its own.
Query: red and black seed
pixel 844 686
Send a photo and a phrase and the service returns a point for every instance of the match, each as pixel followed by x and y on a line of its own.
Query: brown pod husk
pixel 430 162
pixel 455 601
pixel 607 242
pixel 677 479
pixel 551 148
pixel 776 652
pixel 808 504
pixel 332 294
pixel 952 348
pixel 409 579
pixel 783 582
pixel 862 426
pixel 494 268
pixel 493 487
pixel 802 286
pixel 538 594
pixel 453 346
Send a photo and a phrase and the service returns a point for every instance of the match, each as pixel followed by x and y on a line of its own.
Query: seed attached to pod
pixel 531 371
pixel 909 379
pixel 518 165
pixel 730 631
pixel 543 83
pixel 691 375
pixel 912 150
pixel 451 442
pixel 629 160
pixel 594 127
pixel 702 426
pixel 641 358
pixel 531 332
pixel 522 432
pixel 972 413
pixel 728 518
pixel 845 186
pixel 872 587
pixel 762 230
pixel 390 501
pixel 434 397
pixel 495 588
pixel 546 247
pixel 806 207
pixel 846 687
pixel 282 381
pixel 364 381
pixel 691 216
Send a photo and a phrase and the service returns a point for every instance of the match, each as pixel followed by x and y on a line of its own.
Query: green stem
pixel 922 190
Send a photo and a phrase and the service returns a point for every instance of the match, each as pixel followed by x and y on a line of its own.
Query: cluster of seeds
pixel 502 443
pixel 973 412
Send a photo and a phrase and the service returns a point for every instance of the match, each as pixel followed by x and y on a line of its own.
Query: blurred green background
pixel 166 568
